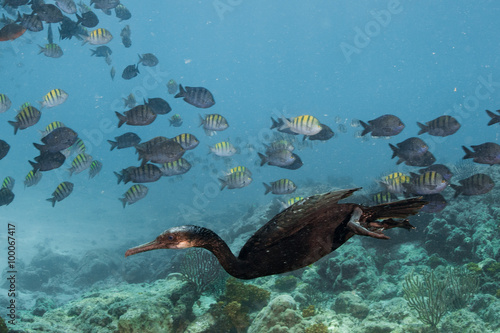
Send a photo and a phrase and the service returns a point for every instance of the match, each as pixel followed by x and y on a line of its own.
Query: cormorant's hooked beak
pixel 153 245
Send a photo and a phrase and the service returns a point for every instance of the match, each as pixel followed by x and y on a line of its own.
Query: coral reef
pixel 365 286
pixel 286 283
pixel 352 304
pixel 279 315
pixel 3 326
pixel 42 305
pixel 309 311
pixel 233 308
pixel 164 306
pixel 317 328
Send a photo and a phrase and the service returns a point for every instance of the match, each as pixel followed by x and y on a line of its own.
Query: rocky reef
pixel 365 286
pixel 163 306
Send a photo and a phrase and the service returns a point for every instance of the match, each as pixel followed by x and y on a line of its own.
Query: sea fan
pixel 202 269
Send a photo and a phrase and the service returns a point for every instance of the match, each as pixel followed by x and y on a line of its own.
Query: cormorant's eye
pixel 170 237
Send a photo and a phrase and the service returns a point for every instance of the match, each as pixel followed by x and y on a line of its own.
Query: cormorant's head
pixel 173 238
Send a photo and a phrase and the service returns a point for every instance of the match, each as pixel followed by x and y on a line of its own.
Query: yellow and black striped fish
pixel 177 167
pixel 50 127
pixel 27 117
pixel 281 186
pixel 393 175
pixel 383 197
pixel 395 185
pixel 134 194
pixel 240 169
pixel 80 162
pixel 5 103
pixel 78 147
pixel 51 50
pixel 53 98
pixel 24 105
pixel 290 202
pixel 429 182
pixel 305 125
pixel 98 37
pixel 235 180
pixel 223 149
pixel 8 182
pixel 62 191
pixel 32 178
pixel 213 122
pixel 187 141
pixel 95 168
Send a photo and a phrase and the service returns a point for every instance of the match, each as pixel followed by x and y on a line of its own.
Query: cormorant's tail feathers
pixel 394 210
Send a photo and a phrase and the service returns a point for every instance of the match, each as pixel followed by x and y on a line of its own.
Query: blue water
pixel 259 59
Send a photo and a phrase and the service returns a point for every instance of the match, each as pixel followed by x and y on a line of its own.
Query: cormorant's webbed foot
pixel 391 223
pixel 355 226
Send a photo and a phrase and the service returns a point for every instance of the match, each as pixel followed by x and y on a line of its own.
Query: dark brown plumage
pixel 296 237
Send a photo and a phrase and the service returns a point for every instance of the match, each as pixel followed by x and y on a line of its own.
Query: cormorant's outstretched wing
pixel 292 219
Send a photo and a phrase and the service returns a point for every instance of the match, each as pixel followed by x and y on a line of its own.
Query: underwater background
pixel 342 62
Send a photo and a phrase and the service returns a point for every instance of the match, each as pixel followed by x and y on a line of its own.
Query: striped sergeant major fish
pixel 97 37
pixel 5 103
pixel 281 186
pixel 223 149
pixel 27 117
pixel 479 183
pixel 305 125
pixel 196 96
pixel 134 194
pixel 235 180
pixel 441 126
pixel 186 140
pixel 213 122
pixel 62 191
pixel 429 182
pixel 53 98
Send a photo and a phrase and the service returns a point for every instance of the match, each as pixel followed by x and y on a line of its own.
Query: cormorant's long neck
pixel 211 241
